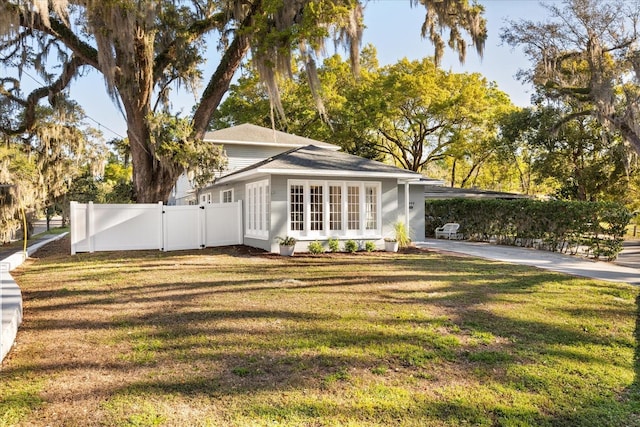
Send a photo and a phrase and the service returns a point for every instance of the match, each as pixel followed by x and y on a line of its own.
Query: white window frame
pixel 257 208
pixel 222 194
pixel 361 232
pixel 205 198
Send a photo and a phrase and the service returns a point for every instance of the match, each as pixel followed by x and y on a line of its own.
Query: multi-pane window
pixel 257 209
pixel 353 207
pixel 370 207
pixel 226 196
pixel 296 207
pixel 316 208
pixel 335 207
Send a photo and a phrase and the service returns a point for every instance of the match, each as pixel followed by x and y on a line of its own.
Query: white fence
pixel 104 227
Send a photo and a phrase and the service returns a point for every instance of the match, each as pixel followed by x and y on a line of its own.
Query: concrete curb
pixel 11 296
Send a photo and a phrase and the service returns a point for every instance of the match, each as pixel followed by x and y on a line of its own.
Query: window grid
pixel 227 196
pixel 297 207
pixel 348 209
pixel 371 205
pixel 316 208
pixel 335 208
pixel 257 217
pixel 353 207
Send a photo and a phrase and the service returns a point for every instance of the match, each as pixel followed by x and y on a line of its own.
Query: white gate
pixel 154 226
pixel 183 227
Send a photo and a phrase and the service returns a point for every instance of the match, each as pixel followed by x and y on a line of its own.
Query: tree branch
pixel 31 102
pixel 196 30
pixel 61 32
pixel 221 78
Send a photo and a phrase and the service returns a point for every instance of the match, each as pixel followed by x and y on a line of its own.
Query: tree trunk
pixel 453 173
pixel 153 179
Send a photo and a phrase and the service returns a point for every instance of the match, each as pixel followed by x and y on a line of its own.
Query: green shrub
pixel 565 226
pixel 369 246
pixel 334 244
pixel 315 247
pixel 350 246
pixel 402 236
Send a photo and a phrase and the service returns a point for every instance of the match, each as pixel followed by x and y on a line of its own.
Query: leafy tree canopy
pixel 411 113
pixel 143 49
pixel 587 54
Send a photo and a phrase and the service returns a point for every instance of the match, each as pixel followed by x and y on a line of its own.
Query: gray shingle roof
pixel 321 161
pixel 252 134
pixel 441 192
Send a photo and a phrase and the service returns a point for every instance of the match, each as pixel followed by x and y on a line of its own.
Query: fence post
pixel 73 206
pixel 202 226
pixel 162 244
pixel 241 223
pixel 90 227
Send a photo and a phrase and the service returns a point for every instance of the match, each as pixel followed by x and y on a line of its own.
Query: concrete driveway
pixel 573 265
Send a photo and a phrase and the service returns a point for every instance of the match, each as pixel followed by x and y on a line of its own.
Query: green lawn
pixel 220 337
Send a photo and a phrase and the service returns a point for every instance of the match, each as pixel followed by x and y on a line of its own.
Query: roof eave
pixel 271 144
pixel 319 172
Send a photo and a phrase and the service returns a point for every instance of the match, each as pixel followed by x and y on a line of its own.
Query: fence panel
pixel 183 227
pixel 223 224
pixel 104 227
pixel 78 227
pixel 126 227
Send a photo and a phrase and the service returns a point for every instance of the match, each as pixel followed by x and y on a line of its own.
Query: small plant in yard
pixel 286 241
pixel 402 235
pixel 315 247
pixel 334 244
pixel 369 246
pixel 351 246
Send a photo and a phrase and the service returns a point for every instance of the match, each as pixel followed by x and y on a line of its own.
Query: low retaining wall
pixel 11 296
pixel 10 309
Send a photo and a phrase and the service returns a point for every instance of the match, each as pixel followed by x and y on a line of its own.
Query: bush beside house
pixel 596 228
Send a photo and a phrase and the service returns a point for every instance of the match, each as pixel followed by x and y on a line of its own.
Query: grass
pixel 226 338
pixel 19 244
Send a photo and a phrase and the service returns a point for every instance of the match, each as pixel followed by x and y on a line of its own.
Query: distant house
pixel 293 186
pixel 432 192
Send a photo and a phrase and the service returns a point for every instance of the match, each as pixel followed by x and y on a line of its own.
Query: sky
pixel 393 27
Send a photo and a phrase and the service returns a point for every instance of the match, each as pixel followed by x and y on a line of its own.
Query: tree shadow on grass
pixel 213 338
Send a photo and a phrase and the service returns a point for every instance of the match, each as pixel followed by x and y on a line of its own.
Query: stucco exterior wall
pixel 392 210
pixel 416 210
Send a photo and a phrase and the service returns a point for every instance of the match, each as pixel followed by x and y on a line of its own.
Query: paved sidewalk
pixel 553 261
pixel 10 294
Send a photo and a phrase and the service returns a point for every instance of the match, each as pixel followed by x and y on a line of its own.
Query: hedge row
pixel 595 229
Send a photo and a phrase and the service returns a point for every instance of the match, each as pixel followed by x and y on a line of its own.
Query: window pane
pixel 353 208
pixel 259 208
pixel 316 207
pixel 297 207
pixel 371 207
pixel 335 208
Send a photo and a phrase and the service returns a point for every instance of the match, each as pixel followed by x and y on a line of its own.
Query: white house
pixel 307 189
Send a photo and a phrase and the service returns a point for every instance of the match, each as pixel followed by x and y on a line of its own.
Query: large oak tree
pixel 144 48
pixel 587 54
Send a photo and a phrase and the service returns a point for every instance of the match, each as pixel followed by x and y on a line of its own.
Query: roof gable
pixel 249 134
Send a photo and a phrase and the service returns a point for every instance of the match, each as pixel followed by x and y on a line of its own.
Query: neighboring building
pixel 432 192
pixel 307 189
